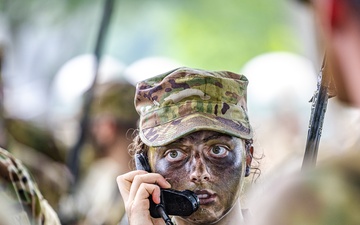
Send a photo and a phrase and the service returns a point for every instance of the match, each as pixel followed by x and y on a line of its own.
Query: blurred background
pixel 40 39
pixel 47 66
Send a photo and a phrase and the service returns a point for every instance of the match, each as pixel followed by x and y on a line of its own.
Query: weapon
pixel 325 90
pixel 73 158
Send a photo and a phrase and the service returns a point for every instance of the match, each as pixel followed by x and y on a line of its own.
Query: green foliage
pixel 207 34
pixel 224 35
pixel 199 33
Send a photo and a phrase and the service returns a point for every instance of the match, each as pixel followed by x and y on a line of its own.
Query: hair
pixel 255 170
pixel 138 146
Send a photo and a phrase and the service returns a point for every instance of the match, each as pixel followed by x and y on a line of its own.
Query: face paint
pixel 210 164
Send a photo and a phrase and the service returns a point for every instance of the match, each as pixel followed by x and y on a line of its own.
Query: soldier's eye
pixel 219 151
pixel 174 155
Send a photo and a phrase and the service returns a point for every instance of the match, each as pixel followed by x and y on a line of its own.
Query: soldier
pixel 195 131
pixel 97 199
pixel 20 193
pixel 330 193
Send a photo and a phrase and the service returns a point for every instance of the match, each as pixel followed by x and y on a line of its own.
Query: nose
pixel 199 173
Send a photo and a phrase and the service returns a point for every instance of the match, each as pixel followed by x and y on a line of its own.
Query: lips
pixel 205 197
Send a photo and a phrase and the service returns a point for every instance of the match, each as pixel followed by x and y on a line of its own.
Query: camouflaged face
pixel 186 100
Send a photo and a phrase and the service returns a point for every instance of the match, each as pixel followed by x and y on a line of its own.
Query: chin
pixel 198 220
pixel 205 216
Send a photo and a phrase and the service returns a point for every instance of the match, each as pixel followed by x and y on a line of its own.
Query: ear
pixel 249 156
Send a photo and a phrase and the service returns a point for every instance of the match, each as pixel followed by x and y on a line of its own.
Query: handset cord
pixel 161 211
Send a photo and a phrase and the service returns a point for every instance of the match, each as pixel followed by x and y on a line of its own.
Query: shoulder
pixel 330 192
pixel 18 185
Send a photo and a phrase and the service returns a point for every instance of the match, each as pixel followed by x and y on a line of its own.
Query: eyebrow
pixel 180 140
pixel 215 136
pixel 211 137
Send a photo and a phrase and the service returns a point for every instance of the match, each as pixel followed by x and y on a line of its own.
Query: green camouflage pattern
pixel 115 99
pixel 326 195
pixel 186 100
pixel 22 194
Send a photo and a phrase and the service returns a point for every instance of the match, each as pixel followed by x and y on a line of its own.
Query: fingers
pixel 131 182
pixel 124 182
pixel 145 185
pixel 149 182
pixel 145 191
pixel 135 188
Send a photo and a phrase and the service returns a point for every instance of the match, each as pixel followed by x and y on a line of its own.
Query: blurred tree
pixel 226 35
pixel 214 35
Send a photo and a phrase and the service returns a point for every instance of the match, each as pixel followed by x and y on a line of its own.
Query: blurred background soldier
pixel 42 154
pixel 330 193
pixel 97 199
pixel 30 149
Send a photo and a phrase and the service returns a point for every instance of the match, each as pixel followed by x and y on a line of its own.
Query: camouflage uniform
pixel 22 195
pixel 329 195
pixel 186 100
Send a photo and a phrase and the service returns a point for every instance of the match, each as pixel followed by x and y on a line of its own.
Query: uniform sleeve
pixel 18 185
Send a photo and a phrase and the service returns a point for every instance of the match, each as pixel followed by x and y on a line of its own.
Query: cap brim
pixel 166 133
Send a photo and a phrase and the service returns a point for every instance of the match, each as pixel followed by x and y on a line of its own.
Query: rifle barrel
pixel 325 90
pixel 315 128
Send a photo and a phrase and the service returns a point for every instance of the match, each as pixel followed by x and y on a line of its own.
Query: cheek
pixel 229 178
pixel 174 173
pixel 229 170
pixel 230 165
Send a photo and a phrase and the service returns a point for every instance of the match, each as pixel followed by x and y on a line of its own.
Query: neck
pixel 233 217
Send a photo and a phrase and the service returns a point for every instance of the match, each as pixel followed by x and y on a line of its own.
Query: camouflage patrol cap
pixel 185 100
pixel 115 99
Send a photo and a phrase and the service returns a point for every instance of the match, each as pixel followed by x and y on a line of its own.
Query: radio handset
pixel 141 162
pixel 173 202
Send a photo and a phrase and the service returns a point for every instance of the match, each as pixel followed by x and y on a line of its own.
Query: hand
pixel 135 188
